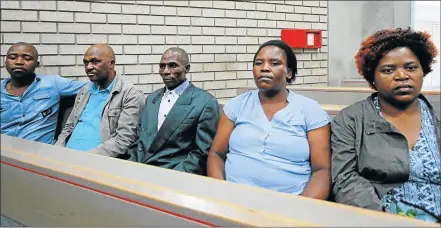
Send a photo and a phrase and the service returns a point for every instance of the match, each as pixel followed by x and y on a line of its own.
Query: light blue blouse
pixel 272 154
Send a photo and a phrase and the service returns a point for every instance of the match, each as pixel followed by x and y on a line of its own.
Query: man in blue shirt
pixel 106 114
pixel 30 102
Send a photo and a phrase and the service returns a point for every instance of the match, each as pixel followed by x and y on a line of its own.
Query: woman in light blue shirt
pixel 271 137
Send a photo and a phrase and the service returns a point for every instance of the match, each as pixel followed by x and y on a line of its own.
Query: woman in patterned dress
pixel 386 149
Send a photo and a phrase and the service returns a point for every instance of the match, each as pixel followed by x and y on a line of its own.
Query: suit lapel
pixel 177 114
pixel 152 116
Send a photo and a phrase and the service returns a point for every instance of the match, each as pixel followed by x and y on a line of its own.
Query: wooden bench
pixel 44 185
pixel 345 96
pixel 331 109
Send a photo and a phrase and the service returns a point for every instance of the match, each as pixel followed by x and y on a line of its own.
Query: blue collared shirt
pixel 33 116
pixel 86 135
pixel 272 154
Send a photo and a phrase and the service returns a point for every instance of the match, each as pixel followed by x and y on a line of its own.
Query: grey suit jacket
pixel 183 141
pixel 119 120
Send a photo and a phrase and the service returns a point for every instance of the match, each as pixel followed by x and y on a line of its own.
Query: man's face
pixel 98 65
pixel 21 61
pixel 172 69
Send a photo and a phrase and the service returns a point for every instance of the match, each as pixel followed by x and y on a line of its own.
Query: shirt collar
pixel 290 98
pixel 178 90
pixel 6 80
pixel 94 89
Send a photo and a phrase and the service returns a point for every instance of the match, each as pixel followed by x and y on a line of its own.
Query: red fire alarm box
pixel 302 38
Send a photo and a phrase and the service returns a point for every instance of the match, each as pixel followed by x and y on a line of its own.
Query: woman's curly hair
pixel 380 43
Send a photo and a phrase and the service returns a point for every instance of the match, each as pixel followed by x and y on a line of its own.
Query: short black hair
pixel 291 59
pixel 34 50
pixel 181 52
pixel 380 43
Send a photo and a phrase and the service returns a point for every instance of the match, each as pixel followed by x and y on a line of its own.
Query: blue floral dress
pixel 420 196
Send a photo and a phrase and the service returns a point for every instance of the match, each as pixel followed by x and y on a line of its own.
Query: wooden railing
pixel 45 185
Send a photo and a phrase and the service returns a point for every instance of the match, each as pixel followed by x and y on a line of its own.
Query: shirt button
pixel 168 100
pixel 165 115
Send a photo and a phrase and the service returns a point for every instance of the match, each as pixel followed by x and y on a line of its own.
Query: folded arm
pixel 348 186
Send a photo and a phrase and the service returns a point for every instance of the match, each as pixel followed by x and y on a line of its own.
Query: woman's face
pixel 270 68
pixel 399 76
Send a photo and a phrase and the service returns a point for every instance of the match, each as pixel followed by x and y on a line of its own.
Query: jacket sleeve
pixel 68 127
pixel 196 161
pixel 126 133
pixel 347 185
pixel 135 151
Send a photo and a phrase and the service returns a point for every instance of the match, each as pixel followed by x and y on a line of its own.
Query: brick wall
pixel 220 36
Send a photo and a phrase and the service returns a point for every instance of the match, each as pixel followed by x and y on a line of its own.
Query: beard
pixel 23 77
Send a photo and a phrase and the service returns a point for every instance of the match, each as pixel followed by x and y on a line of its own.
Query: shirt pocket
pixel 297 127
pixel 7 114
pixel 4 108
pixel 190 120
pixel 113 114
pixel 40 102
pixel 373 161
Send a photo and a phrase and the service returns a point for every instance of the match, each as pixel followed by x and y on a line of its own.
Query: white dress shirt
pixel 168 100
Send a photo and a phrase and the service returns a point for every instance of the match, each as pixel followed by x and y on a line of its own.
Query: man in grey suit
pixel 179 121
pixel 106 113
